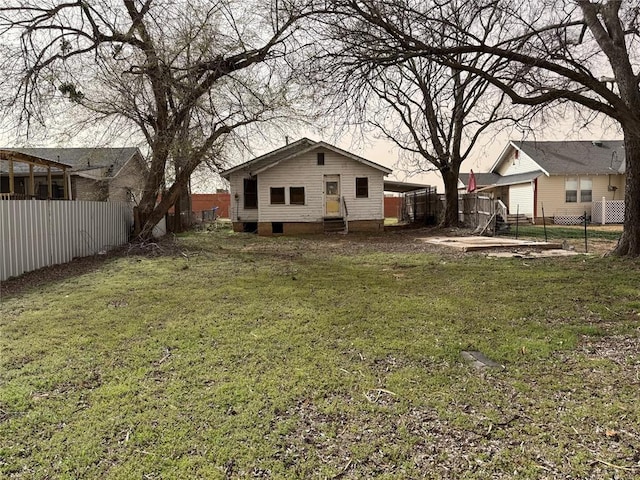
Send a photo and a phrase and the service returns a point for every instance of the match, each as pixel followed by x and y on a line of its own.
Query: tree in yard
pixel 183 75
pixel 433 113
pixel 583 52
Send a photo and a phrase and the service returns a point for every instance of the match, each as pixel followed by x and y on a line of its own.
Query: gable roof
pixel 581 157
pixel 83 159
pixel 294 149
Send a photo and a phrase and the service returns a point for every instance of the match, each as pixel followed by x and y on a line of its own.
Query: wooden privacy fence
pixel 425 206
pixel 40 233
pixel 421 206
pixel 476 210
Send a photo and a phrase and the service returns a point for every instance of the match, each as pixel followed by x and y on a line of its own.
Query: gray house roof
pixel 576 157
pixel 587 157
pixel 299 147
pixel 110 160
pixel 482 179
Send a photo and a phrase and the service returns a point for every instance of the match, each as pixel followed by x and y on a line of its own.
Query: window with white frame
pixel 296 195
pixel 586 185
pixel 571 189
pixel 277 195
pixel 362 187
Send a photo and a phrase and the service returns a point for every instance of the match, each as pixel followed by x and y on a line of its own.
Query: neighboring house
pixel 307 187
pixel 98 174
pixel 563 178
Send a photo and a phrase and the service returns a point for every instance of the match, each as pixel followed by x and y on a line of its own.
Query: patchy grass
pixel 555 232
pixel 600 238
pixel 244 357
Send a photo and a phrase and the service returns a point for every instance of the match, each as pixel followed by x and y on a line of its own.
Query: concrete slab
pixel 474 243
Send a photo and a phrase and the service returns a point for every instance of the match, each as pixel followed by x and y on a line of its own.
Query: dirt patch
pixel 83 265
pixel 366 437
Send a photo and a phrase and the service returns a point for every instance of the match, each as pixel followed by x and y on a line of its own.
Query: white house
pixel 307 187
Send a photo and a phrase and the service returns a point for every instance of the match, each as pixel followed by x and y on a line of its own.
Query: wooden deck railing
pixel 16 196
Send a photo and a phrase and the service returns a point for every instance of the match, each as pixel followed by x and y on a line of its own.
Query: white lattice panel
pixel 568 219
pixel 613 212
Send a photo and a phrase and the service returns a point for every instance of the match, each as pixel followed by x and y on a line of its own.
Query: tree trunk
pixel 450 216
pixel 152 218
pixel 629 243
pixel 177 214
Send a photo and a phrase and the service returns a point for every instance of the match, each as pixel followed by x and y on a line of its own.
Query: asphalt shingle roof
pixel 482 179
pixel 288 151
pixel 84 158
pixel 577 157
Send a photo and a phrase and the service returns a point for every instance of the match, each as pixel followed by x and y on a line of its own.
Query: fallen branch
pixel 619 467
pixel 166 356
pixel 343 471
pixel 379 392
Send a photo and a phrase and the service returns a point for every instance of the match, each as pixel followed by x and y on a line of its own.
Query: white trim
pixel 312 146
pixel 502 157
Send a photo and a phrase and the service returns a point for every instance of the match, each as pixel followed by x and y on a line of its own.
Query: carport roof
pixel 403 187
pixel 518 178
pixel 512 180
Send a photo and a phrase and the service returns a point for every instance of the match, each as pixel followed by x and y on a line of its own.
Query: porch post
pixel 49 183
pixel 11 183
pixel 604 210
pixel 32 183
pixel 66 183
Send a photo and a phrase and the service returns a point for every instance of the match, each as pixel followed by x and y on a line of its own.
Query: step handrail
pixel 346 215
pixel 501 209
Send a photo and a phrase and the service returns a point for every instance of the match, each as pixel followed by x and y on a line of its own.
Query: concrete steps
pixel 334 225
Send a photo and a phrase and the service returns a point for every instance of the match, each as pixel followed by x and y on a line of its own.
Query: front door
pixel 332 195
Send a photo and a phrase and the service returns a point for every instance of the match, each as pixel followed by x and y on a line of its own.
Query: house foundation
pixel 303 228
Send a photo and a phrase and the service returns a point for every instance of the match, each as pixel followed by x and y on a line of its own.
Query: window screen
pixel 250 193
pixel 296 195
pixel 362 187
pixel 277 195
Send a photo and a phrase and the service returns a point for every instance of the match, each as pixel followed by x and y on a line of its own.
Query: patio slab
pixel 473 243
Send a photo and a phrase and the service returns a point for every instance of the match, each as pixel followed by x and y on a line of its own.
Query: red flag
pixel 471 186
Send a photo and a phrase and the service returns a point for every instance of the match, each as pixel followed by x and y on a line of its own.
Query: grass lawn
pixel 234 356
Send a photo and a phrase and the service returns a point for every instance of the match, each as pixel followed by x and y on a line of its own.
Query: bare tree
pixel 177 70
pixel 581 51
pixel 433 113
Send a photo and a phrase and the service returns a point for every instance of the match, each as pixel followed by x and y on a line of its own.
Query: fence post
pixel 604 210
pixel 585 232
pixel 544 223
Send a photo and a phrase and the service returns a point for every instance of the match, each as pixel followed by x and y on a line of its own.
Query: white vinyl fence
pixel 607 211
pixel 40 233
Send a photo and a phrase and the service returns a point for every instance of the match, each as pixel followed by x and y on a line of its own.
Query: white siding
pixel 237 211
pixel 512 165
pixel 521 199
pixel 303 171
